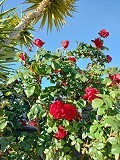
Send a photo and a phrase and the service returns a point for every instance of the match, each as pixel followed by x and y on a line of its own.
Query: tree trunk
pixel 26 21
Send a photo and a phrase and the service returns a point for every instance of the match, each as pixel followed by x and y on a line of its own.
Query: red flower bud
pixel 72 59
pixel 61 133
pixel 22 56
pixel 65 44
pixel 56 71
pixel 98 43
pixel 39 43
pixel 33 123
pixel 24 123
pixel 64 84
pixel 109 59
pixel 104 33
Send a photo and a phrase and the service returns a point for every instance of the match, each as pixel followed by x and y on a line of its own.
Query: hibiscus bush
pixel 52 108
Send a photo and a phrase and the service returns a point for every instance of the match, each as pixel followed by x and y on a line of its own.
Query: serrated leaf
pixel 77 147
pixel 93 128
pixel 118 116
pixel 112 140
pixel 49 130
pixel 29 91
pixel 115 149
pixel 12 79
pixel 96 103
pixel 3 124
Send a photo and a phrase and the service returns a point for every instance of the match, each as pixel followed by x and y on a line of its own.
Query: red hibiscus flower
pixel 115 78
pixel 104 33
pixel 98 43
pixel 33 123
pixel 70 112
pixel 39 43
pixel 109 59
pixel 22 56
pixel 65 44
pixel 57 109
pixel 90 94
pixel 61 133
pixel 72 59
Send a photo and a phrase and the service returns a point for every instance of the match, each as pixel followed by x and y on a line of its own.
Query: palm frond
pixel 55 13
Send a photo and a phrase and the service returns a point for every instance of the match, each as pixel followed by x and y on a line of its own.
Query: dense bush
pixel 77 116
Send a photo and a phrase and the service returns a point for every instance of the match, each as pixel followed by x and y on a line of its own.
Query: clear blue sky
pixel 92 16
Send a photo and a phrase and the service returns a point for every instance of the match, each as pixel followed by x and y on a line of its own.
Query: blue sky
pixel 92 16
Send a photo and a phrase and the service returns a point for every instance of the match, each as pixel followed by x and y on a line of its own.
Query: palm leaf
pixel 55 13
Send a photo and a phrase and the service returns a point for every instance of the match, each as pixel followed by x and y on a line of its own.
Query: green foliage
pixel 93 134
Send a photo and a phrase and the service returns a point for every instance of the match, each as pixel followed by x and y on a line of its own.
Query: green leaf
pixel 73 142
pixel 40 151
pixel 118 116
pixel 112 140
pixel 93 128
pixel 81 103
pixel 55 65
pixel 108 102
pixel 100 145
pixel 96 103
pixel 115 149
pixel 99 155
pixel 27 147
pixel 67 149
pixel 49 130
pixel 77 147
pixel 12 79
pixel 101 111
pixel 3 123
pixel 107 81
pixel 29 91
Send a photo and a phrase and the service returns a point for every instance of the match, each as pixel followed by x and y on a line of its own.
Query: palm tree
pixel 54 11
pixel 8 20
pixel 14 31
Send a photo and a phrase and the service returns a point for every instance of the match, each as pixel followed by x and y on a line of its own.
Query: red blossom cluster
pixel 98 42
pixel 103 33
pixel 90 94
pixel 61 133
pixel 60 110
pixel 115 78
